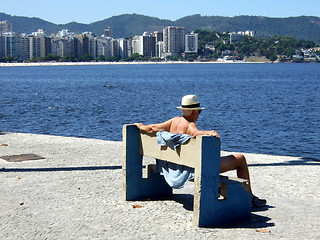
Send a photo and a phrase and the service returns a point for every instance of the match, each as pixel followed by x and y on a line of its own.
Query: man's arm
pixel 152 128
pixel 193 131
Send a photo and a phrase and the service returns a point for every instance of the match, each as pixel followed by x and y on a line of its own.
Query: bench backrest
pixel 201 153
pixel 188 154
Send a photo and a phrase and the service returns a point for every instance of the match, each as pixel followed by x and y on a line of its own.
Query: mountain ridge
pixel 127 25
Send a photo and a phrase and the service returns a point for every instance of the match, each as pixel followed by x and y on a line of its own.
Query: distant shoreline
pixel 108 63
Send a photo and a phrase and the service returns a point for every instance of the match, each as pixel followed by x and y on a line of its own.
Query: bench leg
pixel 237 204
pixel 209 210
pixel 134 187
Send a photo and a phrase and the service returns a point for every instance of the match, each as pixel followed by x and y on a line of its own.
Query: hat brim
pixel 196 108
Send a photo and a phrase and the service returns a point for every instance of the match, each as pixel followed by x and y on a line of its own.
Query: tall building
pixel 5 26
pixel 13 45
pixel 44 42
pixel 158 36
pixel 114 48
pixel 25 47
pixel 104 47
pixel 29 47
pixel 191 43
pixel 135 42
pixel 88 43
pixel 124 48
pixel 2 46
pixel 159 50
pixel 65 47
pixel 144 45
pixel 174 40
pixel 34 47
pixel 148 43
pixel 45 46
pixel 107 32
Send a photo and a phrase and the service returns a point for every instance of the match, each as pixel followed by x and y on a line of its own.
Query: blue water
pixel 259 108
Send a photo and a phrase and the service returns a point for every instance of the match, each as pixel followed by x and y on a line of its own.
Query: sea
pixel 256 108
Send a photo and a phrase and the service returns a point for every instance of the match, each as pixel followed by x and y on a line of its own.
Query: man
pixel 185 124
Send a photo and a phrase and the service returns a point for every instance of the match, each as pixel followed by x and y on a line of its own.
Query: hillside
pixel 126 25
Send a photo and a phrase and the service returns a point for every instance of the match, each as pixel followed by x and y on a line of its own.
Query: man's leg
pixel 236 162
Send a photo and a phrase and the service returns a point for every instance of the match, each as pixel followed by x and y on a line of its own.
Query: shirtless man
pixel 191 110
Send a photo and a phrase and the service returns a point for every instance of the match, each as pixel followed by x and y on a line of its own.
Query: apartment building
pixel 144 45
pixel 25 48
pixel 160 50
pixel 104 47
pixel 174 40
pixel 2 47
pixel 5 27
pixel 63 47
pixel 136 45
pixel 191 43
pixel 124 48
pixel 236 36
pixel 148 43
pixel 44 42
pixel 107 32
pixel 158 36
pixel 88 44
pixel 12 45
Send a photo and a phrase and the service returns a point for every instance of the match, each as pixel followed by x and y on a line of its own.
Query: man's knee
pixel 241 159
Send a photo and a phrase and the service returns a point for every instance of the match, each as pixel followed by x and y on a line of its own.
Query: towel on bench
pixel 175 175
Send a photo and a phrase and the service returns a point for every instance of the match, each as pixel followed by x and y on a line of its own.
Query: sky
pixel 88 11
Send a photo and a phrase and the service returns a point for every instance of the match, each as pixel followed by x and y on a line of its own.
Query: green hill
pixel 126 25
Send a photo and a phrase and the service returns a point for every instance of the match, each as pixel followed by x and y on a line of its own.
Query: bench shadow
pixel 257 221
pixel 61 169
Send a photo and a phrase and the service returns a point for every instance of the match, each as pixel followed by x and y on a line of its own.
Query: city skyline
pixel 62 12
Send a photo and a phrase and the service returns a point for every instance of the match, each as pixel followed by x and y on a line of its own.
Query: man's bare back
pixel 179 125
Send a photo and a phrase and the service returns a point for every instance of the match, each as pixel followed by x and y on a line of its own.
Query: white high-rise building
pixel 159 50
pixel 144 45
pixel 136 45
pixel 191 43
pixel 124 48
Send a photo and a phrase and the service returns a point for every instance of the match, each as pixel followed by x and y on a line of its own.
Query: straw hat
pixel 190 102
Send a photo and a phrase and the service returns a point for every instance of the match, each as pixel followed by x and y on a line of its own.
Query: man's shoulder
pixel 176 118
pixel 179 124
pixel 192 125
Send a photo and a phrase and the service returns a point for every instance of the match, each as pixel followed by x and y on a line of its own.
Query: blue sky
pixel 64 11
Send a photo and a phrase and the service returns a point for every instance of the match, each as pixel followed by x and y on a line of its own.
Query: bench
pixel 218 200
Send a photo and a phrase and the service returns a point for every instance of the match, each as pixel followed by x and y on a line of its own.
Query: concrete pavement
pixel 75 193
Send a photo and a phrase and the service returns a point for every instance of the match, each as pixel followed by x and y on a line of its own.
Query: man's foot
pixel 257 202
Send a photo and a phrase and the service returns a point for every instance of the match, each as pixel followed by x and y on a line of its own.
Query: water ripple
pixel 261 108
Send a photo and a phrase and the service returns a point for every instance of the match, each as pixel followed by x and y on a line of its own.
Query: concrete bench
pixel 218 200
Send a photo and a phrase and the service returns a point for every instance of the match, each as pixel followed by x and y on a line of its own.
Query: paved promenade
pixel 75 193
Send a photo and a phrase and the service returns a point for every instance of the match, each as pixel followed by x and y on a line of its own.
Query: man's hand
pixel 146 128
pixel 142 127
pixel 213 133
pixel 138 125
